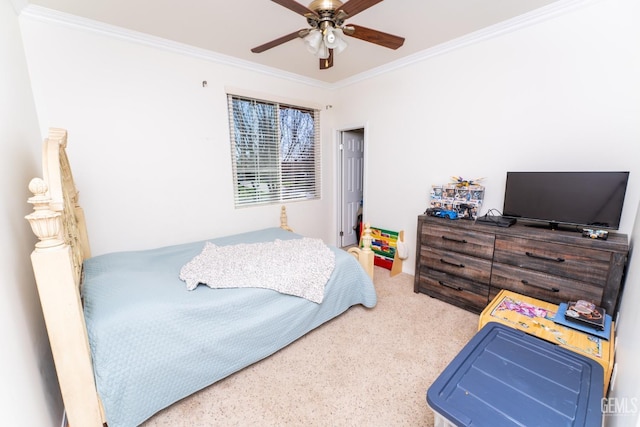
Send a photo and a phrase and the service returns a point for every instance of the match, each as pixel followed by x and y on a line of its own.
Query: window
pixel 275 151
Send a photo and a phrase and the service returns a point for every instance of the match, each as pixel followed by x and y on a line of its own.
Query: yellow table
pixel 535 317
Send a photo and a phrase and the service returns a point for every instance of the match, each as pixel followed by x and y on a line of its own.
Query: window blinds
pixel 275 151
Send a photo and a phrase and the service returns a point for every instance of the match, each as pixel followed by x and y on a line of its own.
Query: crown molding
pixel 552 10
pixel 40 13
pixel 542 14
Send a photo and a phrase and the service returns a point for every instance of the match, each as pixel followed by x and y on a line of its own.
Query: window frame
pixel 264 177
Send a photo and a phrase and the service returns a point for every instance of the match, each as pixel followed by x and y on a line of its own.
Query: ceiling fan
pixel 326 20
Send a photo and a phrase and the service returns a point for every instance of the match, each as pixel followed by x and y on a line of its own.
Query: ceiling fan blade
pixel 328 62
pixel 279 41
pixel 295 6
pixel 374 36
pixel 353 7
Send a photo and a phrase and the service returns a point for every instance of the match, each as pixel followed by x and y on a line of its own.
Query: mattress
pixel 153 342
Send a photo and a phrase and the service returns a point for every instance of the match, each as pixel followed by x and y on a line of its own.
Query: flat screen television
pixel 578 199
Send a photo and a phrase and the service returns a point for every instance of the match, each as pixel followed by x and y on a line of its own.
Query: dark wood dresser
pixel 466 264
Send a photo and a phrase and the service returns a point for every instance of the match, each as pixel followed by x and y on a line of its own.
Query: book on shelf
pixel 586 313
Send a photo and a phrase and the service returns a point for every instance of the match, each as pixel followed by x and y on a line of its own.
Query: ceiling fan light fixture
pixel 334 40
pixel 331 38
pixel 341 45
pixel 323 51
pixel 313 41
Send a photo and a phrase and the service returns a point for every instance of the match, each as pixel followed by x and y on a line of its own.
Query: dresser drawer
pixel 470 295
pixel 572 262
pixel 458 240
pixel 552 265
pixel 456 264
pixel 541 286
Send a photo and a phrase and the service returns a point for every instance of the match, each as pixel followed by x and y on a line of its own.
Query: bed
pixel 128 335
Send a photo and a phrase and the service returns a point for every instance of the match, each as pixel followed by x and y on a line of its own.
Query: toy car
pixel 442 213
pixel 595 234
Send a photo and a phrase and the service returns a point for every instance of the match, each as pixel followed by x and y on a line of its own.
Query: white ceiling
pixel 233 27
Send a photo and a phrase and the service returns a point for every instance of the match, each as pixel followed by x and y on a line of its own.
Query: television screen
pixel 585 199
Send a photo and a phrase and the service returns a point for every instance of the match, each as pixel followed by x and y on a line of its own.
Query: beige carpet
pixel 368 367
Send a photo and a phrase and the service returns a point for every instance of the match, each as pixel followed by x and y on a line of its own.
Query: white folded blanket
pixel 299 267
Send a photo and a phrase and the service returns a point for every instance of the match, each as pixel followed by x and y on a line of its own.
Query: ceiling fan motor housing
pixel 325 5
pixel 327 14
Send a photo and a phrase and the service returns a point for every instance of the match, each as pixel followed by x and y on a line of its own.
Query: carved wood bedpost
pixel 365 255
pixel 283 219
pixel 57 274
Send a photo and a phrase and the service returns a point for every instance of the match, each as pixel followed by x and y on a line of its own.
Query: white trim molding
pixel 539 15
pixel 544 13
pixel 40 13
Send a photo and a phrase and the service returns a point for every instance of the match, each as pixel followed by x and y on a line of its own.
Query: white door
pixel 352 183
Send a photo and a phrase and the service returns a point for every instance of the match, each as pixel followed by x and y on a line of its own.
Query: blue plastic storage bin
pixel 504 377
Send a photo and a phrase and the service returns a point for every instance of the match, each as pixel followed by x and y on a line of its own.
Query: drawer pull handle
pixel 526 283
pixel 444 261
pixel 454 240
pixel 455 288
pixel 532 255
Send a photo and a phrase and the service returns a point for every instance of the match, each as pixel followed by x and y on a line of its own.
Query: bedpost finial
pixel 283 219
pixel 364 254
pixel 44 222
pixel 366 237
pixel 38 187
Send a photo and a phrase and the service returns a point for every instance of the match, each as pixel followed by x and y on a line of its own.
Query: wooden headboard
pixel 59 224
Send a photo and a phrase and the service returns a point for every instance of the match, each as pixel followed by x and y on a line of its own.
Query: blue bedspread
pixel 154 343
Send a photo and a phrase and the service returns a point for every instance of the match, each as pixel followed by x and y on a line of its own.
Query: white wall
pixel 149 143
pixel 29 393
pixel 560 95
pixel 625 387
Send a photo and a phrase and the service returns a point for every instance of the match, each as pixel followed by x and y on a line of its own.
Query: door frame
pixel 340 176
